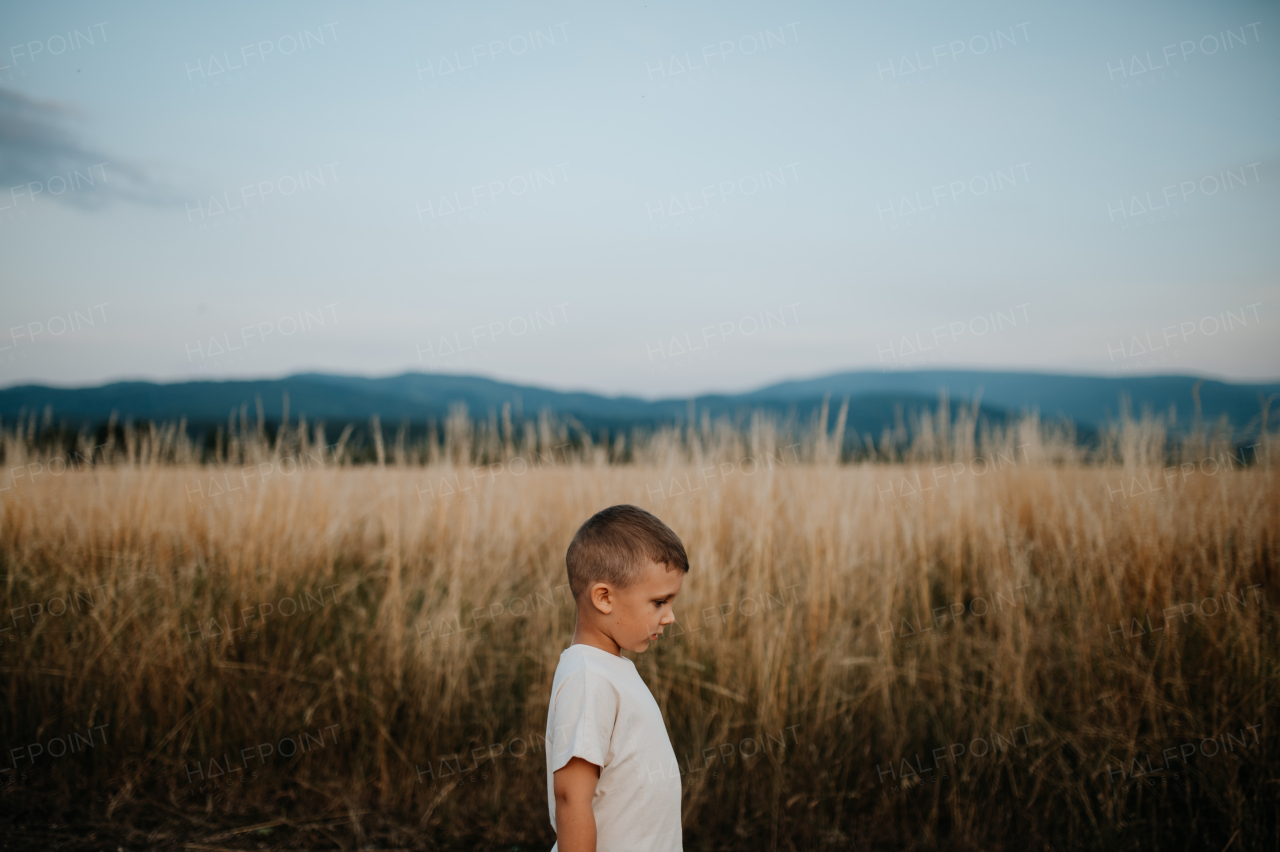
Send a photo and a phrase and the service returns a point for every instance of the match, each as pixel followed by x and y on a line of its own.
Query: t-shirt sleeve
pixel 586 708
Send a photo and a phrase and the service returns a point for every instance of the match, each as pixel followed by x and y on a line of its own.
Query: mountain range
pixel 877 399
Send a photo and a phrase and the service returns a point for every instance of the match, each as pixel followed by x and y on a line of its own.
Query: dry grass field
pixel 973 641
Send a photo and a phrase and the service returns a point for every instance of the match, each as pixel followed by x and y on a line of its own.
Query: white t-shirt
pixel 602 711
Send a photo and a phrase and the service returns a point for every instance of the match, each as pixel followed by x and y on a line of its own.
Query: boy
pixel 613 783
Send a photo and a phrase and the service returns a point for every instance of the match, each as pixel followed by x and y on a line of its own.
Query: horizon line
pixel 295 374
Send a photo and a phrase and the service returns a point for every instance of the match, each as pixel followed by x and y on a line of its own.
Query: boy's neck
pixel 596 639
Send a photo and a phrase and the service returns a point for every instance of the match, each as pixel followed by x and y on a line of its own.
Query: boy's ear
pixel 601 597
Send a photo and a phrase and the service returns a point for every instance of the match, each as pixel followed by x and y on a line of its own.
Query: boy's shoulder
pixel 590 659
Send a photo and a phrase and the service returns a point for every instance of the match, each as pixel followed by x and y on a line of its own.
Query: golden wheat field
pixel 983 642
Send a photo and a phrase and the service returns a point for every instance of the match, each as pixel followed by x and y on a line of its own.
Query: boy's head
pixel 625 569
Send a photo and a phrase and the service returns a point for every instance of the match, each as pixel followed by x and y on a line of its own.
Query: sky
pixel 637 199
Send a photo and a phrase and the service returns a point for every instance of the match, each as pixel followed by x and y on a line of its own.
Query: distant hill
pixel 877 399
pixel 1086 400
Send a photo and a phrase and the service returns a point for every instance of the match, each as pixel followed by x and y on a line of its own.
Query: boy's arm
pixel 574 786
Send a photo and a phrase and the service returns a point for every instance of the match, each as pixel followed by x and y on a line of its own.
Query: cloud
pixel 42 157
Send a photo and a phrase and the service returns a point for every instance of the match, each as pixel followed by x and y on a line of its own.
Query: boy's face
pixel 637 614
